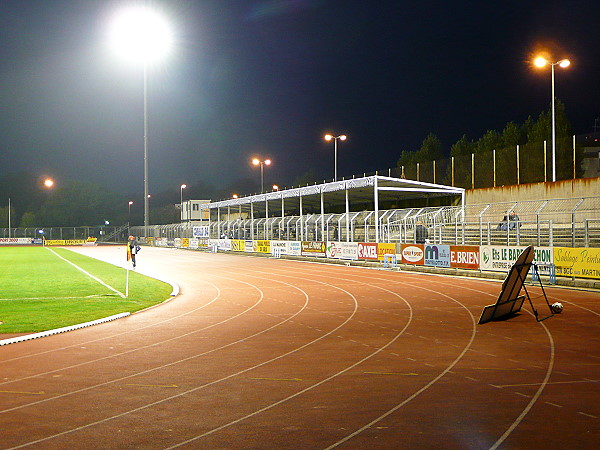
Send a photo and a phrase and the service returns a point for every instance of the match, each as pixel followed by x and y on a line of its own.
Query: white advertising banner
pixel 16 241
pixel 279 248
pixel 294 248
pixel 501 258
pixel 342 250
pixel 201 232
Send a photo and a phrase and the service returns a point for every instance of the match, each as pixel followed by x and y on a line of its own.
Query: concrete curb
pixel 28 337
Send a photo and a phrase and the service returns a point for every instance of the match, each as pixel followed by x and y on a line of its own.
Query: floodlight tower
pixel 142 35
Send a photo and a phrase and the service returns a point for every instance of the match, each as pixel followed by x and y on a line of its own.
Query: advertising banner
pixel 224 244
pixel 177 242
pixel 185 242
pixel 385 249
pixel 238 245
pixel 249 246
pixel 413 254
pixel 500 258
pixel 17 241
pixel 437 255
pixel 314 248
pixel 193 243
pixel 367 250
pixel 201 232
pixel 464 256
pixel 294 248
pixel 279 247
pixel 342 250
pixel 262 246
pixel 65 242
pixel 577 262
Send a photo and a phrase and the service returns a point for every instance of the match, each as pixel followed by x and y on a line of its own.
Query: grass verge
pixel 41 291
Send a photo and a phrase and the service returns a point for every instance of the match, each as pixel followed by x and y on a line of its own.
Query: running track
pixel 267 353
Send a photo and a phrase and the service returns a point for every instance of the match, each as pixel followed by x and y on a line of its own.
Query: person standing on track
pixel 132 249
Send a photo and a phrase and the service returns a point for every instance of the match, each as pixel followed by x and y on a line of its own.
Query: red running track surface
pixel 269 353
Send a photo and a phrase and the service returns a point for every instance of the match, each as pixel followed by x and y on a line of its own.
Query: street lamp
pixel 540 61
pixel 141 34
pixel 266 162
pixel 49 183
pixel 183 186
pixel 341 137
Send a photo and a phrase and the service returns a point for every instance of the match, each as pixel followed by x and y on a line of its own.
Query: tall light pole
pixel 262 163
pixel 129 210
pixel 181 188
pixel 341 137
pixel 540 61
pixel 140 33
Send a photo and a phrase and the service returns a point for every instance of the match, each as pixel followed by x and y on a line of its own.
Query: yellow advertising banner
pixel 65 242
pixel 385 249
pixel 185 242
pixel 577 262
pixel 238 245
pixel 262 246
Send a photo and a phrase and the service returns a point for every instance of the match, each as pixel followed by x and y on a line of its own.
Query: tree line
pixel 529 136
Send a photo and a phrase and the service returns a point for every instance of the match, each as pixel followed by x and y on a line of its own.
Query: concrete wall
pixel 581 187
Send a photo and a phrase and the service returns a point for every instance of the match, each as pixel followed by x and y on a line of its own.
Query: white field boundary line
pixel 88 274
pixel 61 330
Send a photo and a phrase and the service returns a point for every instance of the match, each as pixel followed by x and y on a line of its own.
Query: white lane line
pixel 88 274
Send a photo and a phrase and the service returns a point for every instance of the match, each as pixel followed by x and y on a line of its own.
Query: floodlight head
pixel 141 33
pixel 183 186
pixel 328 137
pixel 267 162
pixel 343 137
pixel 256 161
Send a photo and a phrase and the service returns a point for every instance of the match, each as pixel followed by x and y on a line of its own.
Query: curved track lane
pixel 266 353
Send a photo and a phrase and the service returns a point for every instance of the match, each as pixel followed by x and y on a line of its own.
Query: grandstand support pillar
pixel 376 202
pixel 282 215
pixel 218 222
pixel 301 220
pixel 266 229
pixel 347 214
pixel 322 217
pixel 252 220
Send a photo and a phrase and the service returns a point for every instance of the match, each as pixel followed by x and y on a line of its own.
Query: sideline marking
pixel 412 374
pixel 19 392
pixel 538 384
pixel 153 385
pixel 88 274
pixel 276 379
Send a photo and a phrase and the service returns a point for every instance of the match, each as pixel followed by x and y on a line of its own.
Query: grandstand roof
pixel 360 192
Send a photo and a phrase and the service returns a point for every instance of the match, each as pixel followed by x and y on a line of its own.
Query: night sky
pixel 271 77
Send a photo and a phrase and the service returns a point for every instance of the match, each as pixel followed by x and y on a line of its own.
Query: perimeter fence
pixel 573 222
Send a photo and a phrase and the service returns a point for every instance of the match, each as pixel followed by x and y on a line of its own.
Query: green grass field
pixel 41 291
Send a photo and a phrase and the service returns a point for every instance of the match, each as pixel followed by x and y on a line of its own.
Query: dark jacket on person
pixel 421 234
